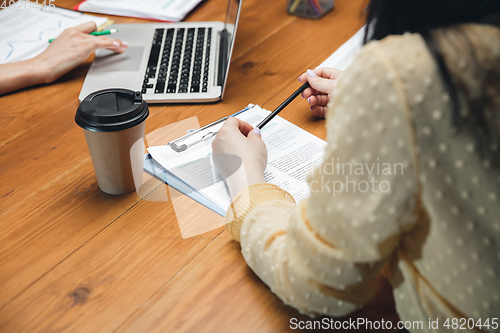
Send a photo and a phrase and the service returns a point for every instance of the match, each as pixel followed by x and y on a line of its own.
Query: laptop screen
pixel 227 40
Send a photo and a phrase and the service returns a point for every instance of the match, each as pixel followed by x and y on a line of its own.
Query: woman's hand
pixel 236 143
pixel 323 82
pixel 71 48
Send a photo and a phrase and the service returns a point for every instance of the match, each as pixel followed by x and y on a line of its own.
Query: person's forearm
pixel 240 180
pixel 21 74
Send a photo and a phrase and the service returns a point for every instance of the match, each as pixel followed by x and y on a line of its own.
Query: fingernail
pixel 309 100
pixel 126 44
pixel 298 79
pixel 311 109
pixel 311 73
pixel 116 44
pixel 302 94
pixel 256 130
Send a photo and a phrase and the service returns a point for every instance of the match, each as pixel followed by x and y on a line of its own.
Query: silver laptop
pixel 185 62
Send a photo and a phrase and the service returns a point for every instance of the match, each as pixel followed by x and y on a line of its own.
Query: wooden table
pixel 74 259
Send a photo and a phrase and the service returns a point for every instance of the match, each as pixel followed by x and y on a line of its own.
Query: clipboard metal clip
pixel 182 147
pixel 179 147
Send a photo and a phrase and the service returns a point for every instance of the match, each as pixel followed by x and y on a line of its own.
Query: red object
pixel 77 7
pixel 316 2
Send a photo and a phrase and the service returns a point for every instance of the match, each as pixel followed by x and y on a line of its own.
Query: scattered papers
pixel 25 29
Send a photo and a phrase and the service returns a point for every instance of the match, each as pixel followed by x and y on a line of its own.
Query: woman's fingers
pixel 327 72
pixel 322 80
pixel 309 92
pixel 101 42
pixel 118 46
pixel 319 111
pixel 244 127
pixel 321 84
pixel 324 72
pixel 233 123
pixel 72 47
pixel 79 39
pixel 87 27
pixel 312 92
pixel 320 100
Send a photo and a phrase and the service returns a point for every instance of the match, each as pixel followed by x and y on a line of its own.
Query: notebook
pixel 162 10
pixel 292 152
pixel 185 62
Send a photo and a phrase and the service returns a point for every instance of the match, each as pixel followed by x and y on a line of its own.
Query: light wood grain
pixel 74 259
pixel 220 299
pixel 98 286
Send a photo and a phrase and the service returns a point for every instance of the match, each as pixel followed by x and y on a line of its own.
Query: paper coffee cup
pixel 114 128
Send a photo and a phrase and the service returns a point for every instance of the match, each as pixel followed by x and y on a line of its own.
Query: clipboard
pixel 154 169
pixel 178 144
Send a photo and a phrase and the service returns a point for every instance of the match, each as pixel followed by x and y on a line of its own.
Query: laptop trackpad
pixel 128 61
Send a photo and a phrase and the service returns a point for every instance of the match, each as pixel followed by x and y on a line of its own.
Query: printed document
pixel 292 152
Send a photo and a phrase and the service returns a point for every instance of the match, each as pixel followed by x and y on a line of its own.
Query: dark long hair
pixel 394 17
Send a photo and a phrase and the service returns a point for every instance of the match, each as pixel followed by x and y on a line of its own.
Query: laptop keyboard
pixel 184 63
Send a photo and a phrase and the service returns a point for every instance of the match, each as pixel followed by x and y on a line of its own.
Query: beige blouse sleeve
pixel 325 255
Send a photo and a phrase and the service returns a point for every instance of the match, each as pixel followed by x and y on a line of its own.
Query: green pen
pixel 96 33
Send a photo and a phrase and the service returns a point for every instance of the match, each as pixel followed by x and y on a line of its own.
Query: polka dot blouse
pixel 397 190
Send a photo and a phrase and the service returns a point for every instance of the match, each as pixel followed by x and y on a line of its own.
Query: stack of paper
pixel 162 10
pixel 25 33
pixel 292 152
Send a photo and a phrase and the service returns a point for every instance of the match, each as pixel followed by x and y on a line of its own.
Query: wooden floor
pixel 73 259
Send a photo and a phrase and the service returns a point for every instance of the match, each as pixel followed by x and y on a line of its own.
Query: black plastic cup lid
pixel 111 110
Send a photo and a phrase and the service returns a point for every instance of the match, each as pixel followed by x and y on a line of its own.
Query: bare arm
pixel 69 50
pixel 20 74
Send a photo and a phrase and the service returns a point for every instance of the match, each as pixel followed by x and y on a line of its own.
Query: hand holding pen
pixel 323 82
pixel 317 89
pixel 74 46
pixel 237 138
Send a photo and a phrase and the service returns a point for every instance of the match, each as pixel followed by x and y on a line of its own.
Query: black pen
pixel 283 105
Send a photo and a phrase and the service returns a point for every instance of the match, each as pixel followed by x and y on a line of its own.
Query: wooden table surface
pixel 74 259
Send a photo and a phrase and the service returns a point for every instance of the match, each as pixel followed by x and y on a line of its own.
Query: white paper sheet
pixel 292 152
pixel 165 10
pixel 344 55
pixel 25 31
